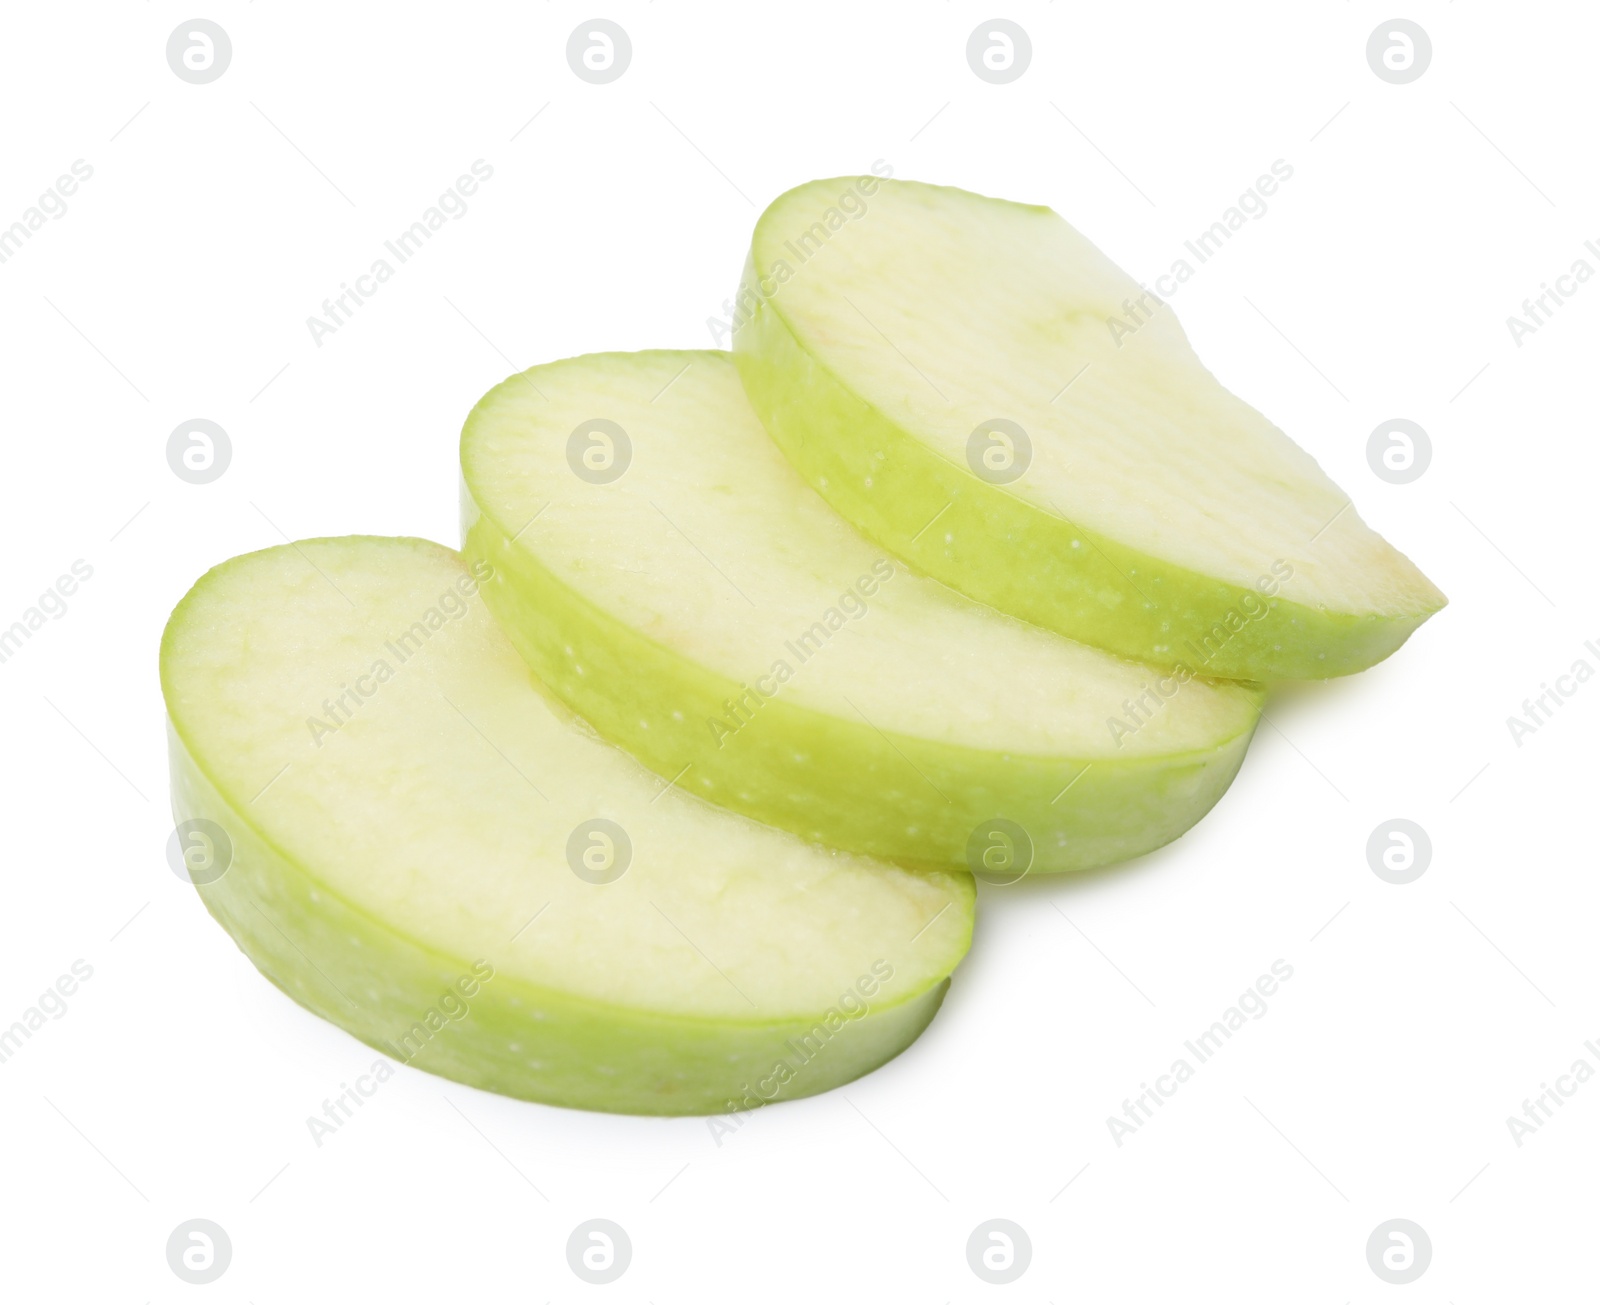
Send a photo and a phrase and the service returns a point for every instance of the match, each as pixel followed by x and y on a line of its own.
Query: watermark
pixel 199 451
pixel 599 851
pixel 1539 1110
pixel 1250 206
pixel 599 51
pixel 1399 451
pixel 199 1251
pixel 452 205
pixel 999 51
pixel 1251 1005
pixel 999 851
pixel 341 708
pixel 199 851
pixel 999 451
pixel 599 1251
pixel 1399 1251
pixel 599 451
pixel 1139 712
pixel 50 206
pixel 1399 851
pixel 51 605
pixel 999 1251
pixel 1399 51
pixel 801 1050
pixel 453 1006
pixel 1538 310
pixel 1537 712
pixel 802 246
pixel 199 51
pixel 851 605
pixel 50 1006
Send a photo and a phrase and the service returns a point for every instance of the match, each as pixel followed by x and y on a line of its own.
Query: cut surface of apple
pixel 669 575
pixel 428 852
pixel 949 371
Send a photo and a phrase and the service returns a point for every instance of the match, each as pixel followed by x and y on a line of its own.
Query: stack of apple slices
pixel 928 579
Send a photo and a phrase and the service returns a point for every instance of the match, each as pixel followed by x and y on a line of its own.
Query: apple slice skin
pixel 826 779
pixel 350 967
pixel 1018 558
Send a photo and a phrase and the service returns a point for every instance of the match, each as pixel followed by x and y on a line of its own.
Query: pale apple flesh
pixel 1154 514
pixel 707 610
pixel 401 799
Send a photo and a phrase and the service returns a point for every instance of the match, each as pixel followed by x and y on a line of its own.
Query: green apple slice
pixel 668 574
pixel 417 845
pixel 985 394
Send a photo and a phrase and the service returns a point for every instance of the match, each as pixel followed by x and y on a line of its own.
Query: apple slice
pixel 668 574
pixel 415 844
pixel 985 394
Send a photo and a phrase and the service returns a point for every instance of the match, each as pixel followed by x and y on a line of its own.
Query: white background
pixel 1419 1017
